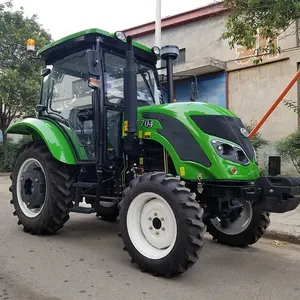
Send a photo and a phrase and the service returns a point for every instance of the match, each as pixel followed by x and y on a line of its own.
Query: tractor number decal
pixel 147 123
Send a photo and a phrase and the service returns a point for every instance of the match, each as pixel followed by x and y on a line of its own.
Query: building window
pixel 180 59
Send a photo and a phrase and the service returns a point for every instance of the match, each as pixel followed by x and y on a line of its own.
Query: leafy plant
pixel 13 149
pixel 292 105
pixel 289 149
pixel 257 140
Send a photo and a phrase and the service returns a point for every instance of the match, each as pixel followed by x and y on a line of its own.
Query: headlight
pixel 120 35
pixel 230 152
pixel 221 149
pixel 155 50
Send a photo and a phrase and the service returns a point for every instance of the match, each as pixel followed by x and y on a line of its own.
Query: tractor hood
pixel 184 109
pixel 195 132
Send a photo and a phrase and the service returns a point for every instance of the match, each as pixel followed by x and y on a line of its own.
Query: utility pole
pixel 158 28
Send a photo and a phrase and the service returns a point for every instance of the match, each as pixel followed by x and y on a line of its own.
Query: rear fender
pixel 47 131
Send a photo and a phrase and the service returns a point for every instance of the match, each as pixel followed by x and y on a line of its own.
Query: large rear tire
pixel 245 231
pixel 161 224
pixel 42 192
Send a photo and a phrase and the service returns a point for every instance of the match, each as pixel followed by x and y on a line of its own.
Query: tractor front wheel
pixel 42 192
pixel 161 224
pixel 246 230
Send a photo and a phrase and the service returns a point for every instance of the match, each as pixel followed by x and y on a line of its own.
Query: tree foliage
pixel 248 18
pixel 13 148
pixel 257 140
pixel 289 149
pixel 19 75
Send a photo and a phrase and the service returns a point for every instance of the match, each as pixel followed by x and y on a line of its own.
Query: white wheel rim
pixel 151 225
pixel 30 213
pixel 240 225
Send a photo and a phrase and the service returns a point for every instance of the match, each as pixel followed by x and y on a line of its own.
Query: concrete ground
pixel 85 260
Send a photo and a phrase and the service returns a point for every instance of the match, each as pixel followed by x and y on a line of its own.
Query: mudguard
pixel 51 134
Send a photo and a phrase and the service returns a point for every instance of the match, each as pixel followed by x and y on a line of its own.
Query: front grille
pixel 225 127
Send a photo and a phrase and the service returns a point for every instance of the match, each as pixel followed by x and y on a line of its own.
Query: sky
pixel 63 17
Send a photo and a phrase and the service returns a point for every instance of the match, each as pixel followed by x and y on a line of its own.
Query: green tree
pixel 269 16
pixel 257 140
pixel 19 74
pixel 289 149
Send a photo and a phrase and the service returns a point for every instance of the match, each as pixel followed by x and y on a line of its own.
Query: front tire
pixel 245 231
pixel 42 192
pixel 161 224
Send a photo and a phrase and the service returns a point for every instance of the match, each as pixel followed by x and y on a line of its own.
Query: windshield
pixel 147 89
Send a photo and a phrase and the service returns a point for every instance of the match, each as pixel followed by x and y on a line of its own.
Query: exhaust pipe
pixel 130 98
pixel 169 53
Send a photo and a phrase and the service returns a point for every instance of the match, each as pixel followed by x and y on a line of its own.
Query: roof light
pixel 30 45
pixel 155 50
pixel 120 35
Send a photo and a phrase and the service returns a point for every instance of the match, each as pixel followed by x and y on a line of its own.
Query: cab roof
pixel 79 38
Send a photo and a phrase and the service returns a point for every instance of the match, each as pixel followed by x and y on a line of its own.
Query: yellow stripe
pixel 182 171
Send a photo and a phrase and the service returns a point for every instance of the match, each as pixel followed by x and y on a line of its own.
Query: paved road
pixel 85 261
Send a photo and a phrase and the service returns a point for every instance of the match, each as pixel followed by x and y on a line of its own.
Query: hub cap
pixel 31 187
pixel 239 225
pixel 151 225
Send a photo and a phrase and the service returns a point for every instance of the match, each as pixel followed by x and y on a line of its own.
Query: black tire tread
pixel 61 180
pixel 195 228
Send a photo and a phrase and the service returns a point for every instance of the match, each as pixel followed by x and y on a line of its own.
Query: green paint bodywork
pixel 53 137
pixel 85 32
pixel 220 168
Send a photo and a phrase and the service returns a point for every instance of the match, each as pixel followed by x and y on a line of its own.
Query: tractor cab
pixel 69 92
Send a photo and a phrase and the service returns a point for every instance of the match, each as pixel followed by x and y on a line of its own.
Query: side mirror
pixel 45 72
pixel 93 61
pixel 194 91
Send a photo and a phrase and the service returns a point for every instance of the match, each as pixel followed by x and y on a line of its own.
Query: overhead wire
pixel 198 52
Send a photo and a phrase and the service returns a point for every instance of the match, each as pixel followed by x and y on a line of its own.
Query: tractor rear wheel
pixel 161 224
pixel 244 231
pixel 42 192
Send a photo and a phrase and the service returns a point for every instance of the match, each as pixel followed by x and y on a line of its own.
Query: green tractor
pixel 166 172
